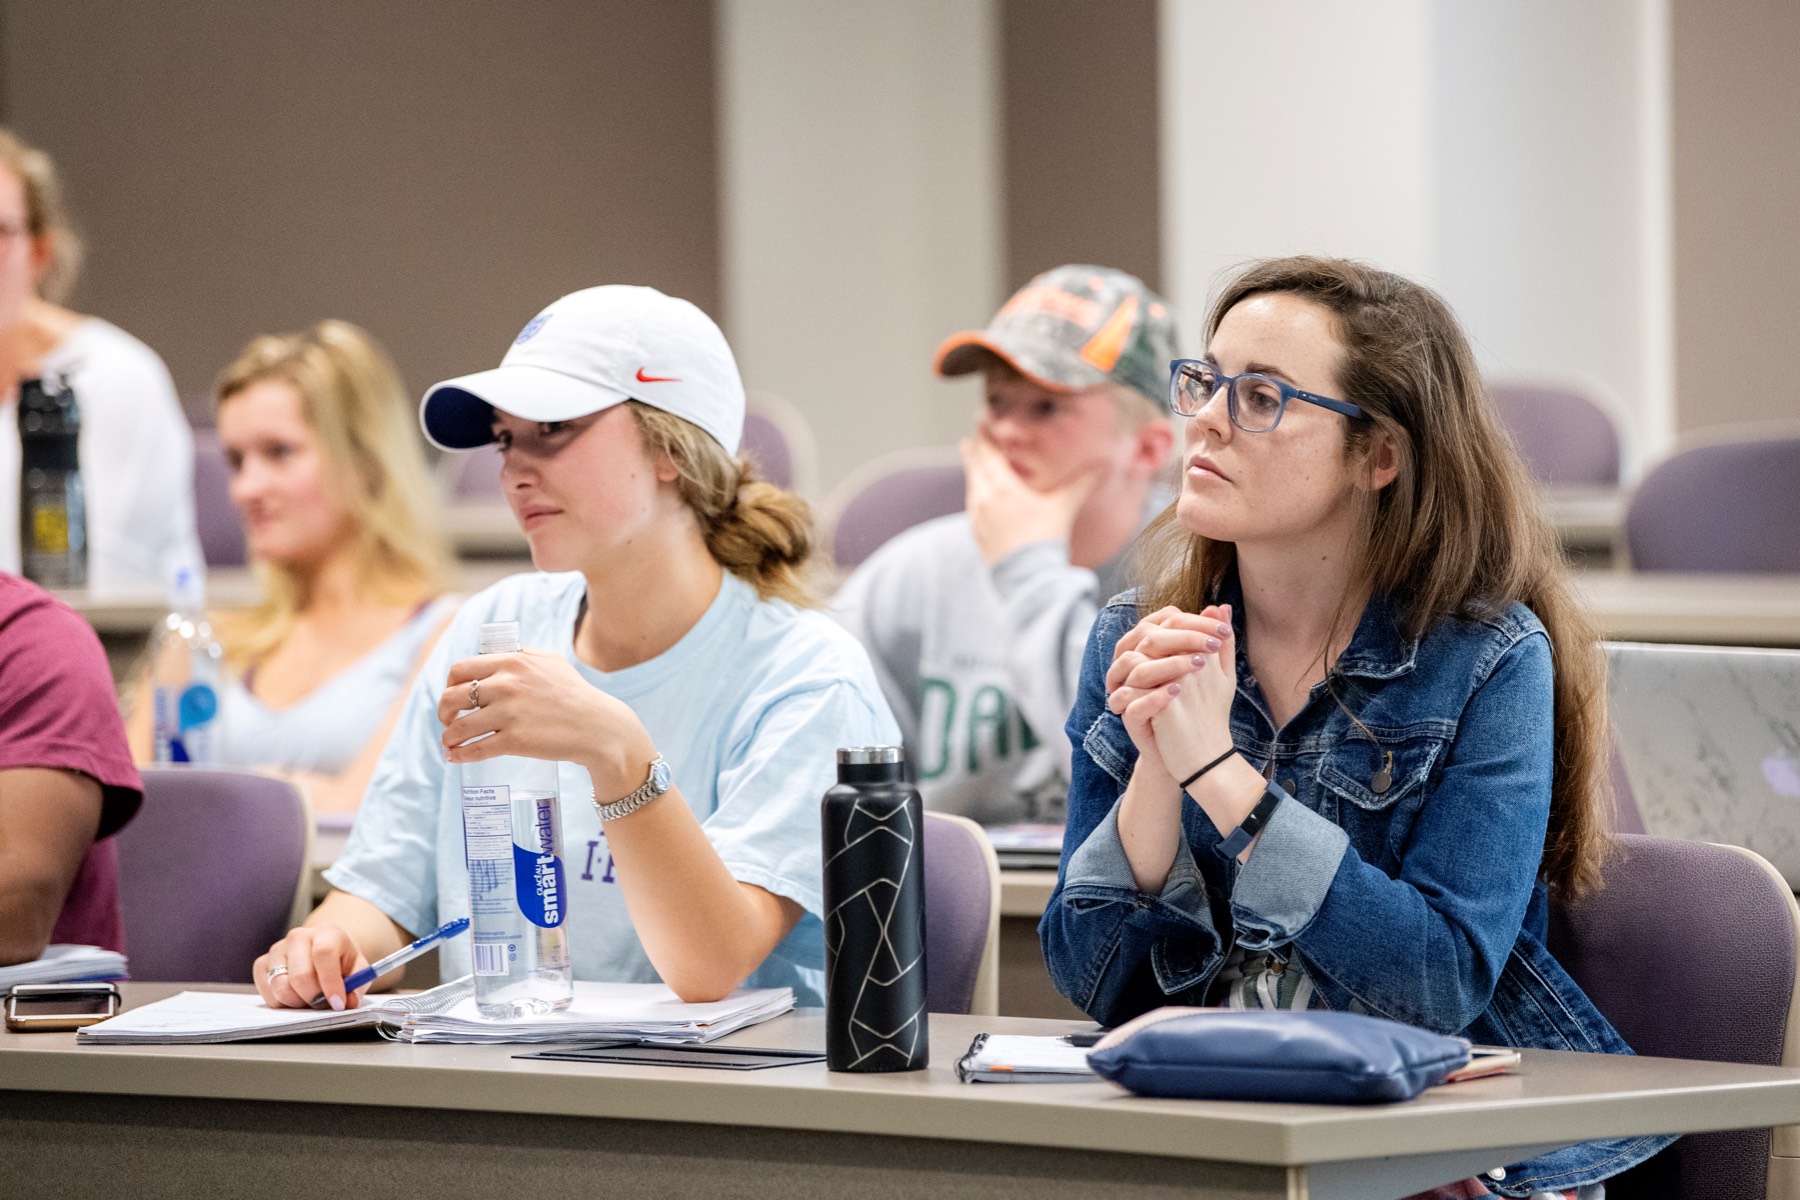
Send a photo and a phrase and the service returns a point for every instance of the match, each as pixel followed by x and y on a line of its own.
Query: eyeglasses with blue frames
pixel 1254 402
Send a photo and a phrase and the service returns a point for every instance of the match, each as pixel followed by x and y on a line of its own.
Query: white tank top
pixel 328 728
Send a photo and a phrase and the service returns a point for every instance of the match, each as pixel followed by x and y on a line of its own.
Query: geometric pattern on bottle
pixel 874 940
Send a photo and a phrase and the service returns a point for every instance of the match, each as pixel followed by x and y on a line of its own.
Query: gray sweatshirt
pixel 980 666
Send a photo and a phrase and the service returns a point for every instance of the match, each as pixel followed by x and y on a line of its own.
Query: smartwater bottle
pixel 52 503
pixel 186 668
pixel 874 847
pixel 512 838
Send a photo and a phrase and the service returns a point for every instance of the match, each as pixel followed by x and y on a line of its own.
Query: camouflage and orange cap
pixel 1076 327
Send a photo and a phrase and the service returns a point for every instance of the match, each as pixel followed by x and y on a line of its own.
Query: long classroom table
pixel 1708 609
pixel 333 1118
pixel 1750 609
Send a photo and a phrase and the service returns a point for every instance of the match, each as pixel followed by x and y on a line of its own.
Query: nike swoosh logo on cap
pixel 643 378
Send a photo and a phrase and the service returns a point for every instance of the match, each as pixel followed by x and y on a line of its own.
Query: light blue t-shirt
pixel 328 728
pixel 749 708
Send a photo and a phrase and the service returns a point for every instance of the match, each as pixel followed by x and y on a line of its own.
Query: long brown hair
pixel 753 529
pixel 353 399
pixel 1458 533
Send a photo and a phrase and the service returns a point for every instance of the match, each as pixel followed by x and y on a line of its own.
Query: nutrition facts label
pixel 487 823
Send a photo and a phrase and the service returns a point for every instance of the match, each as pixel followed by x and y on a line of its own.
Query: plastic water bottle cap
pixel 500 637
pixel 187 589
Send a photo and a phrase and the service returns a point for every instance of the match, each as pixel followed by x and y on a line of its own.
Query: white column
pixel 1550 182
pixel 1292 128
pixel 861 209
pixel 1514 156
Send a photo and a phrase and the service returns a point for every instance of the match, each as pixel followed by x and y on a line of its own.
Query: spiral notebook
pixel 647 1013
pixel 1013 1058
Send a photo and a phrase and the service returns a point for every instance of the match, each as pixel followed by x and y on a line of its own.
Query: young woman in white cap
pixel 671 671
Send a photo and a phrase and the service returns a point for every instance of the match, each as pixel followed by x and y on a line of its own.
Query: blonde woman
pixel 328 474
pixel 674 671
pixel 136 455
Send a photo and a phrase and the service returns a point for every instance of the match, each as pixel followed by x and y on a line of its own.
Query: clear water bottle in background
pixel 52 503
pixel 186 668
pixel 872 823
pixel 512 838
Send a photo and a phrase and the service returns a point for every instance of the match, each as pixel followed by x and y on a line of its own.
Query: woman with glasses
pixel 1347 739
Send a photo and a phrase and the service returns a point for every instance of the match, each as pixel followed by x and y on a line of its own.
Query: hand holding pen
pixel 400 957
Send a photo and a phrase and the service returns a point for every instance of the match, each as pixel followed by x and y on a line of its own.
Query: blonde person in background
pixel 137 458
pixel 328 474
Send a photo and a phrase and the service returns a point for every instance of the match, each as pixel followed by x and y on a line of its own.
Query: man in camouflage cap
pixel 976 622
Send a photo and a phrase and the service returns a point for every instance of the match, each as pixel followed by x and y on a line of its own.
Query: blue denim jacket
pixel 1420 901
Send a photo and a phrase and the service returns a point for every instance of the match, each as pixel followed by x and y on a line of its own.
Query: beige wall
pixel 436 172
pixel 1736 109
pixel 1080 131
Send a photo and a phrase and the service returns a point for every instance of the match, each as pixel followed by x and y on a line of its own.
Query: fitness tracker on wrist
pixel 1244 834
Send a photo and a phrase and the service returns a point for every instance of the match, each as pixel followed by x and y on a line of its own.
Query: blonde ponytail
pixel 753 529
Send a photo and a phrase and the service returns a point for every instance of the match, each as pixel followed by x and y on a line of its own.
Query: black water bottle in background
pixel 874 846
pixel 52 504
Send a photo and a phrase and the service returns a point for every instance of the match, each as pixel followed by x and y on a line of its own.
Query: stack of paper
pixel 65 964
pixel 644 1012
pixel 1027 846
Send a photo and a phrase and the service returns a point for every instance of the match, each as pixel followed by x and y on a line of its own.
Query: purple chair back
pixel 474 474
pixel 892 503
pixel 1567 439
pixel 208 872
pixel 962 908
pixel 1627 817
pixel 1689 950
pixel 221 533
pixel 1731 506
pixel 768 445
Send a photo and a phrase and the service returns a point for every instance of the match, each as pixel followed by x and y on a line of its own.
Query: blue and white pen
pixel 369 974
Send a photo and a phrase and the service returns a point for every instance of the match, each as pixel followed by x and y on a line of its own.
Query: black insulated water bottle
pixel 52 505
pixel 874 848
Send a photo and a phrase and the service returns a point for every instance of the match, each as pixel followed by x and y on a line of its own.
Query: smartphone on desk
pixel 1485 1061
pixel 58 1007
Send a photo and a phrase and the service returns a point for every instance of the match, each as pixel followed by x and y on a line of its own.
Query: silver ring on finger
pixel 275 972
pixel 474 693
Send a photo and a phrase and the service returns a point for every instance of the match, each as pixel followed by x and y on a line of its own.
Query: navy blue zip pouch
pixel 1275 1054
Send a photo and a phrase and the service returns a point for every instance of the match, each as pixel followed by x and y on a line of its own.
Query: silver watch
pixel 650 789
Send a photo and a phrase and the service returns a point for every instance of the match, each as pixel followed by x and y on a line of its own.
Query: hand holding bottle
pixel 533 704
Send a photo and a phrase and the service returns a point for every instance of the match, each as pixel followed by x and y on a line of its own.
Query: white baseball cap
pixel 593 349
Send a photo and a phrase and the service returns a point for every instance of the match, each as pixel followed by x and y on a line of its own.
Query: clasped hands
pixel 1172 680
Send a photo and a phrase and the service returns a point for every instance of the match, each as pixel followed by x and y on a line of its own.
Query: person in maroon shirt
pixel 67 783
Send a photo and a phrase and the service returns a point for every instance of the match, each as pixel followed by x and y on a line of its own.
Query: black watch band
pixel 1244 834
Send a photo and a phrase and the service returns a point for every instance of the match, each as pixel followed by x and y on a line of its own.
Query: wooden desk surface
pixel 1750 610
pixel 1719 610
pixel 134 611
pixel 1556 1098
